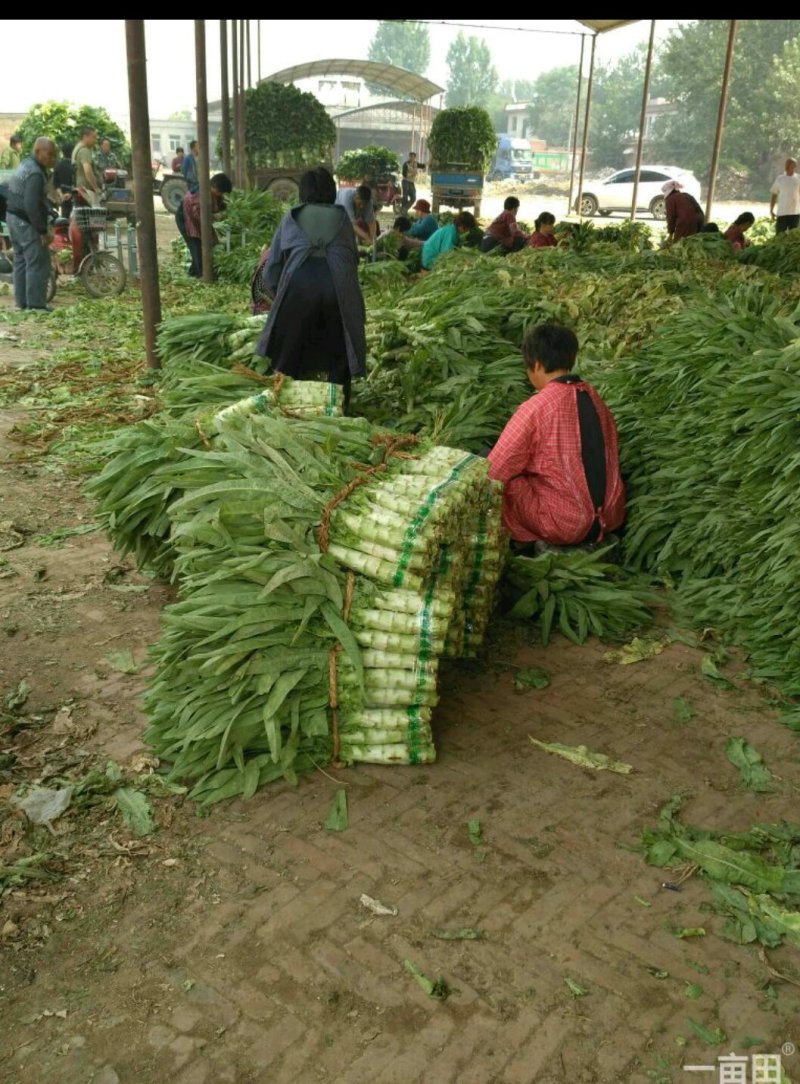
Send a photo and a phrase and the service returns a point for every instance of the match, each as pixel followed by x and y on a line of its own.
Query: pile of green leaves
pixel 708 419
pixel 577 593
pixel 780 254
pixel 286 127
pixel 367 165
pixel 463 135
pixel 753 877
pixel 252 219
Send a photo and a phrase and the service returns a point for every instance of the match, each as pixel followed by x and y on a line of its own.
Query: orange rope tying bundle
pixel 203 437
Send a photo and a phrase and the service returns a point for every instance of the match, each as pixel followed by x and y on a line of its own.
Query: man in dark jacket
pixel 27 225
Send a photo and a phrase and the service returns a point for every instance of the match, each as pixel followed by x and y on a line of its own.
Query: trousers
pixel 31 264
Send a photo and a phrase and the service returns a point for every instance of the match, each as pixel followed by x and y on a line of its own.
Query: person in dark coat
pixel 684 214
pixel 316 324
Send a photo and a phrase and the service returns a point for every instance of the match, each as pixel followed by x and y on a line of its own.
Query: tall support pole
pixel 143 185
pixel 574 142
pixel 249 54
pixel 203 170
pixel 258 36
pixel 586 125
pixel 723 104
pixel 643 118
pixel 242 161
pixel 226 104
pixel 236 101
pixel 413 124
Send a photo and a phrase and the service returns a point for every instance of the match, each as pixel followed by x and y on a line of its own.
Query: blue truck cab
pixel 513 160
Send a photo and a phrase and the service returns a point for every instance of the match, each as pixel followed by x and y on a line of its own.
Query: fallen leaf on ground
pixel 582 756
pixel 123 661
pixel 337 818
pixel 375 906
pixel 531 677
pixel 637 650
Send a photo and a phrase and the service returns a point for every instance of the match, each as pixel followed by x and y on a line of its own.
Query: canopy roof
pixel 407 85
pixel 600 26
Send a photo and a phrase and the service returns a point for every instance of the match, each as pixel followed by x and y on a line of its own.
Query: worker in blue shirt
pixel 446 238
pixel 189 168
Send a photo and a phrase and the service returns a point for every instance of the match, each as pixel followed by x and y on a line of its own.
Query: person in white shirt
pixel 785 193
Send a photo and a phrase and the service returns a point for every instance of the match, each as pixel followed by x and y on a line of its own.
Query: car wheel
pixel 605 214
pixel 587 206
pixel 658 208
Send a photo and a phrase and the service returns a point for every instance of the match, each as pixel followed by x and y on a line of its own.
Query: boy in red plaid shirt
pixel 558 454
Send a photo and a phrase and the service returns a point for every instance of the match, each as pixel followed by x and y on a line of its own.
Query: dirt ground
pixel 233 947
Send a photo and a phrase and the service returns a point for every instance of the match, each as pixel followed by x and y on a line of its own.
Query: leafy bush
pixel 464 136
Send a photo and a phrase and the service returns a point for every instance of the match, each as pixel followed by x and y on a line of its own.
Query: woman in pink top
pixel 542 236
pixel 735 232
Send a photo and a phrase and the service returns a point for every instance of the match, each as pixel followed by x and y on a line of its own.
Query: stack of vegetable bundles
pixel 324 568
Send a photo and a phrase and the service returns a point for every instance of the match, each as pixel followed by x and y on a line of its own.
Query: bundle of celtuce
pixel 324 568
pixel 211 337
pixel 137 484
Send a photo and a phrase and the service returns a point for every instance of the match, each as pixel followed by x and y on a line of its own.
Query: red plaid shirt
pixel 538 457
pixel 504 229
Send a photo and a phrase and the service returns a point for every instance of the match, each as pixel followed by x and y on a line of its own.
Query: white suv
pixel 616 192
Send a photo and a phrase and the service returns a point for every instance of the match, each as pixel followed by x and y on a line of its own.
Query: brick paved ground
pixel 251 960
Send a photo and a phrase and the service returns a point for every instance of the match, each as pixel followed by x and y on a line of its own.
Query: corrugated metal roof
pixel 406 84
pixel 600 26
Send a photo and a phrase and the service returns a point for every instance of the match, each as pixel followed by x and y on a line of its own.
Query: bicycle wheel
pixel 103 275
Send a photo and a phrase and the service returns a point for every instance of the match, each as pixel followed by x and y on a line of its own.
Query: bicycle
pixel 101 273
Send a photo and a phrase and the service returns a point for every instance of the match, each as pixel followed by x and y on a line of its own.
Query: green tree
pixel 62 122
pixel 761 123
pixel 472 77
pixel 553 105
pixel 617 106
pixel 406 45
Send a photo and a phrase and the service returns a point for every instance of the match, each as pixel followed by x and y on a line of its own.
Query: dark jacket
pixel 27 194
pixel 291 247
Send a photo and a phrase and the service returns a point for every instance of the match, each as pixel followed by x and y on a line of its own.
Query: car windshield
pixel 518 154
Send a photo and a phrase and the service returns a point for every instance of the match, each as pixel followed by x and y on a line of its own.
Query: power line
pixel 483 26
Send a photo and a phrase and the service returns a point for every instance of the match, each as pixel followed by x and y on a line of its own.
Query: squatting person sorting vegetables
pixel 316 325
pixel 558 455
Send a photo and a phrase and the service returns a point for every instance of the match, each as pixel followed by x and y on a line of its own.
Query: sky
pixel 517 54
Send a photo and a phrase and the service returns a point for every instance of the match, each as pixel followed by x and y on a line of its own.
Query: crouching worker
pixel 558 454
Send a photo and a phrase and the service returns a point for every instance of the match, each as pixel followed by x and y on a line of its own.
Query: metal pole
pixel 143 184
pixel 237 180
pixel 575 127
pixel 586 125
pixel 249 54
pixel 243 182
pixel 642 119
pixel 226 105
pixel 723 103
pixel 258 35
pixel 203 171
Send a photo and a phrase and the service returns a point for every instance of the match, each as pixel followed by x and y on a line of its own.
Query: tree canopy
pixel 472 77
pixel 406 45
pixel 62 122
pixel 762 124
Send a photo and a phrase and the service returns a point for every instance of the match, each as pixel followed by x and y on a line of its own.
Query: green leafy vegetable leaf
pixel 584 757
pixel 755 776
pixel 337 818
pixel 682 709
pixel 136 809
pixel 575 988
pixel 711 1038
pixel 531 677
pixel 123 661
pixel 437 989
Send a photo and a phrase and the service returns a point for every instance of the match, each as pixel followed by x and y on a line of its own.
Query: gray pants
pixel 31 264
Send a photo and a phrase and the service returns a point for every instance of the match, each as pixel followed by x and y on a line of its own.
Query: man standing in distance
pixel 87 183
pixel 27 213
pixel 189 168
pixel 786 194
pixel 409 181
